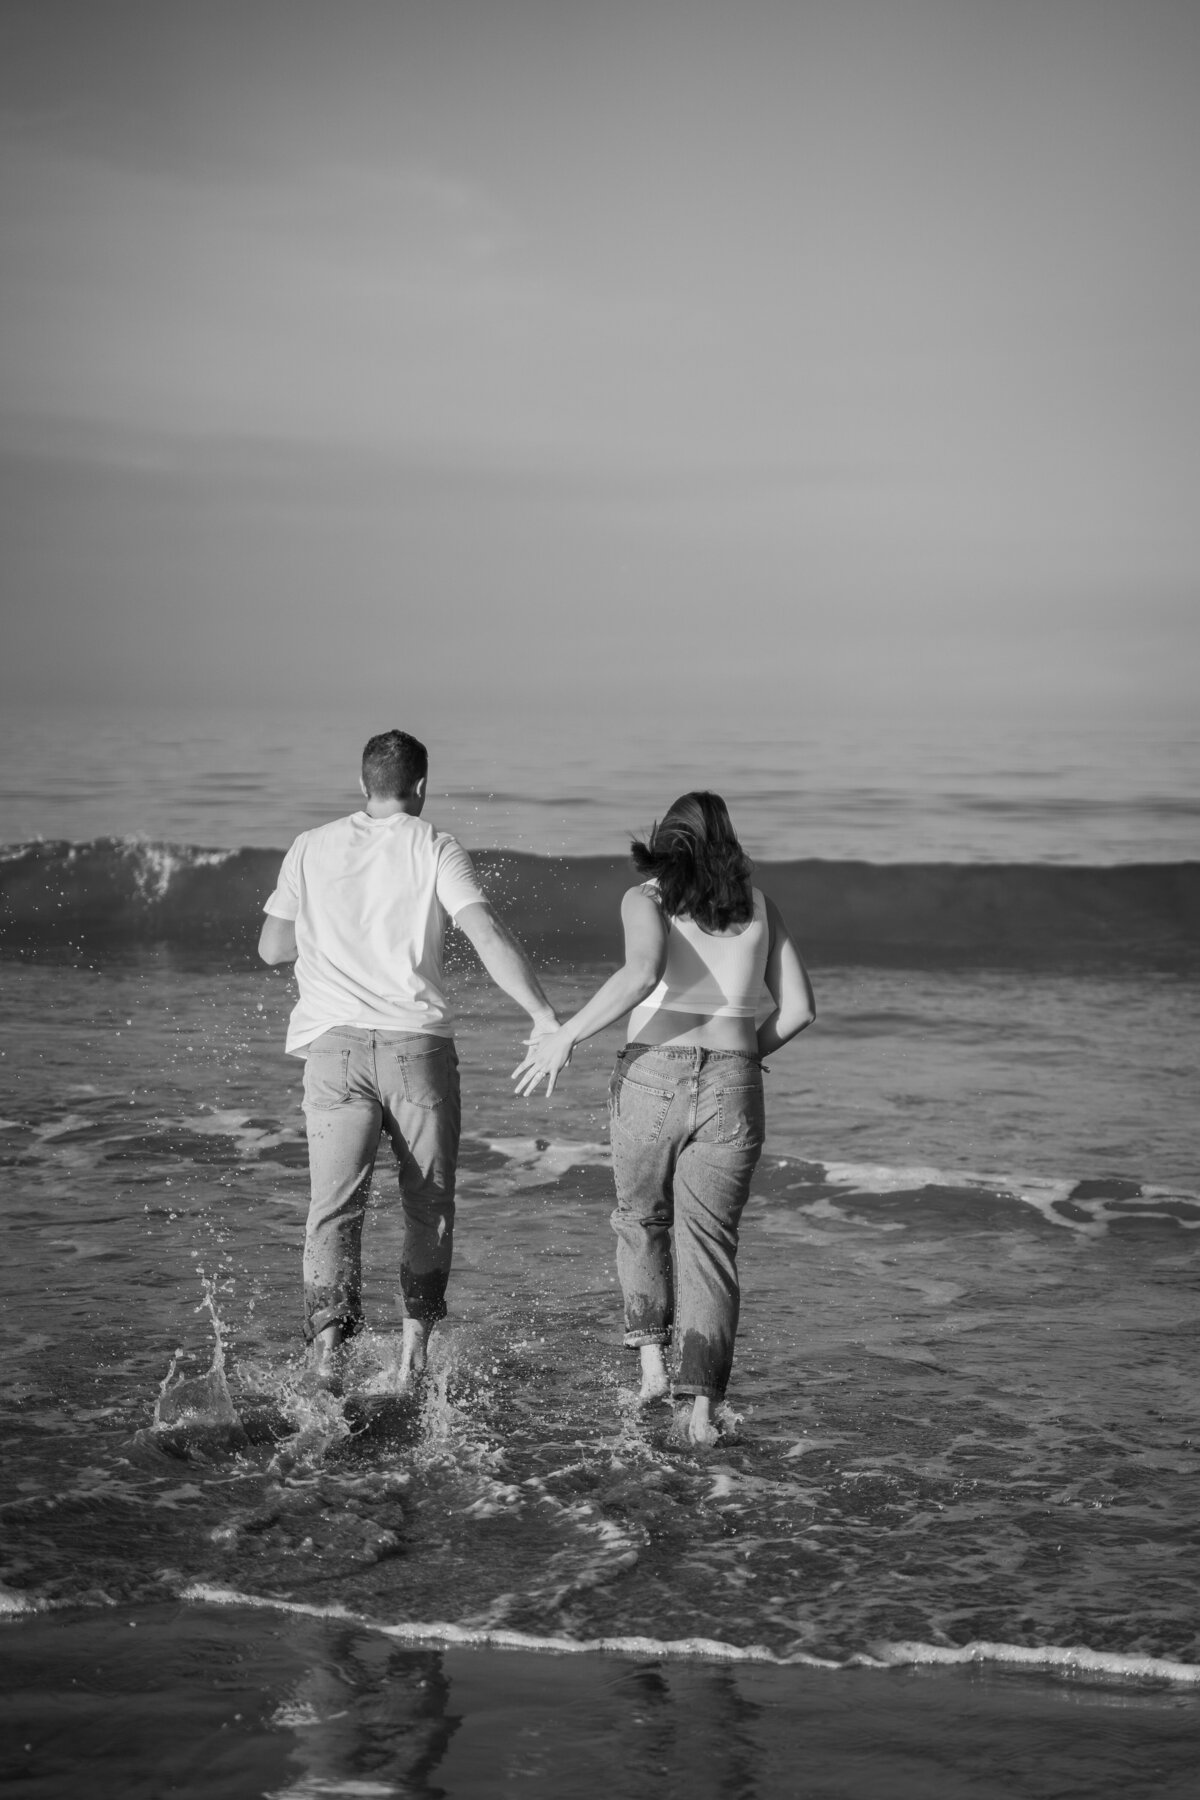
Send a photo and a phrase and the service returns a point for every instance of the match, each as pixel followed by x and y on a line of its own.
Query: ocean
pixel 948 1541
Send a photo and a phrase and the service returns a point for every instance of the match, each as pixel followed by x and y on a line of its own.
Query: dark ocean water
pixel 115 891
pixel 948 1541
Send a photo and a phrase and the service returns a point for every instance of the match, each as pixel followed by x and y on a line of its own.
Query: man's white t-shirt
pixel 370 899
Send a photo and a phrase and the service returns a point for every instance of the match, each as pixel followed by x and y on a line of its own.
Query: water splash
pixel 198 1400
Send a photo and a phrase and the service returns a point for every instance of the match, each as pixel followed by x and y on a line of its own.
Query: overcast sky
pixel 811 354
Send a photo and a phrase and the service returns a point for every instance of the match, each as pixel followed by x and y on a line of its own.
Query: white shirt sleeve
pixel 457 882
pixel 284 901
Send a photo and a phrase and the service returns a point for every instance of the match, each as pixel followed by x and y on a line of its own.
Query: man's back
pixel 370 898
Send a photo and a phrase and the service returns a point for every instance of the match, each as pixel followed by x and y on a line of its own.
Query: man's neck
pixel 387 808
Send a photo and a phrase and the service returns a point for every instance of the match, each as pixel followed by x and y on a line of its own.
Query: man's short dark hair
pixel 392 764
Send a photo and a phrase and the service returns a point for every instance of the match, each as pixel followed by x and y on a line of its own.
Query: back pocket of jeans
pixel 741 1115
pixel 639 1110
pixel 326 1078
pixel 428 1076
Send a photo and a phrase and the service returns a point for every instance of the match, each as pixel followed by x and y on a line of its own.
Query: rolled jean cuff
pixel 429 1314
pixel 423 1296
pixel 316 1321
pixel 688 1390
pixel 635 1339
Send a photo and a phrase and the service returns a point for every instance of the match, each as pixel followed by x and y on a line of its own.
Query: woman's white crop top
pixel 709 973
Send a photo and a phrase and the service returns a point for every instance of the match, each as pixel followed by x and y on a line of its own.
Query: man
pixel 361 907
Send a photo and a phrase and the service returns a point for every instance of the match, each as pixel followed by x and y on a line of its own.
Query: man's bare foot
pixel 413 1351
pixel 701 1426
pixel 655 1380
pixel 325 1358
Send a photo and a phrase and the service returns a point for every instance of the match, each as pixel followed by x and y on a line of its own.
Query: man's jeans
pixel 687 1132
pixel 356 1084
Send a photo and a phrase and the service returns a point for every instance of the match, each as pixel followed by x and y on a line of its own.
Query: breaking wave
pixel 919 914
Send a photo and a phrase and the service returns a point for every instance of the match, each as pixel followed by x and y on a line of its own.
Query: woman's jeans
pixel 357 1084
pixel 687 1132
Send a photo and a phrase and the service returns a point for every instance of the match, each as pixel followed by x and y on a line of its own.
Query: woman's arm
pixel 788 985
pixel 645 954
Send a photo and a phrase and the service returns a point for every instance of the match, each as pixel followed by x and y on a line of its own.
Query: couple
pixel 361 906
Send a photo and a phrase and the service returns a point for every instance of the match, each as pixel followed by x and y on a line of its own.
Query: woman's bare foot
pixel 701 1426
pixel 655 1380
pixel 413 1351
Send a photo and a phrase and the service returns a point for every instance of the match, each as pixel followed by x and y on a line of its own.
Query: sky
pixel 632 357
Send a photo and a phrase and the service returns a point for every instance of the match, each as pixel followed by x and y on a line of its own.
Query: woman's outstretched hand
pixel 547 1055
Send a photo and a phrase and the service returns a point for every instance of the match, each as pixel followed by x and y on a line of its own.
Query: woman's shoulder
pixel 641 914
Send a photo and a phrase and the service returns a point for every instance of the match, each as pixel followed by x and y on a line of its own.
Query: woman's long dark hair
pixel 702 871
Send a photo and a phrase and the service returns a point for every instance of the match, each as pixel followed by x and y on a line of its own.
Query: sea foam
pixel 1062 1660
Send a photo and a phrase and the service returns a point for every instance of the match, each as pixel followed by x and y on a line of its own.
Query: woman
pixel 686 1098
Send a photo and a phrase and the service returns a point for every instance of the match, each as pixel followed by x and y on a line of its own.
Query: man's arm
pixel 277 940
pixel 506 963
